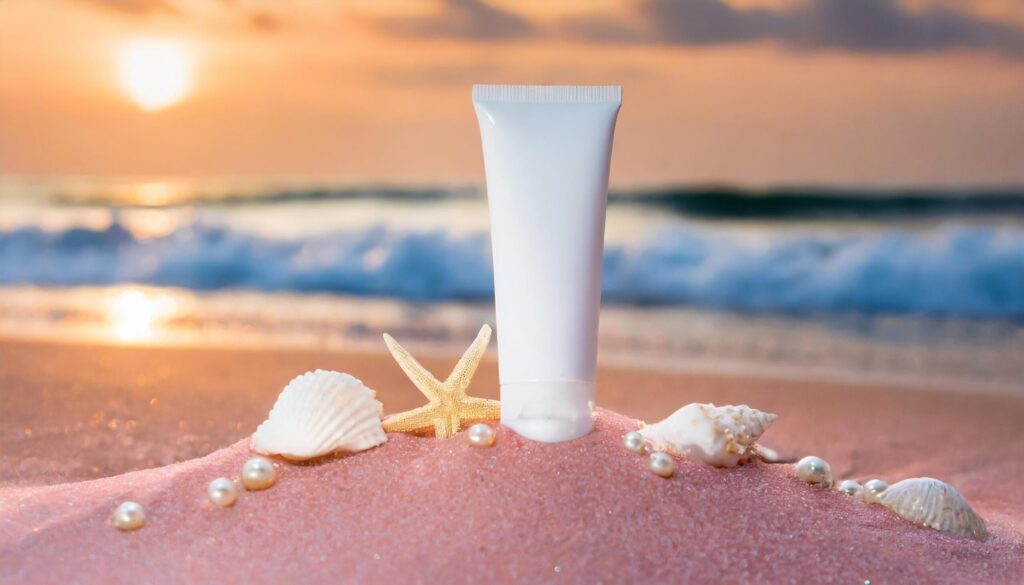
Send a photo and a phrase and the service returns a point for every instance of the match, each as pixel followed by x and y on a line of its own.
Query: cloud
pixel 265 22
pixel 871 26
pixel 259 20
pixel 884 25
pixel 437 75
pixel 463 19
pixel 866 26
pixel 135 7
pixel 457 76
pixel 691 22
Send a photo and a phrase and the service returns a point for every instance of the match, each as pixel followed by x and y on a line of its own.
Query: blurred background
pixel 808 188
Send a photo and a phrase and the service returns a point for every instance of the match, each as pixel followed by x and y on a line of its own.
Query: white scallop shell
pixel 935 504
pixel 719 435
pixel 319 413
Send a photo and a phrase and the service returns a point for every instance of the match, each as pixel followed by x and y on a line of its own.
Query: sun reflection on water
pixel 137 316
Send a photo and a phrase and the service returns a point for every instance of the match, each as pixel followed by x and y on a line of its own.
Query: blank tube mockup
pixel 547 151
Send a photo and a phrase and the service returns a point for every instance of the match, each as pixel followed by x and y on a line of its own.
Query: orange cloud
pixel 135 6
pixel 465 19
pixel 265 21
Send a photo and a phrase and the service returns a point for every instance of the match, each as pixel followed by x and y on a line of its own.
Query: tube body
pixel 547 151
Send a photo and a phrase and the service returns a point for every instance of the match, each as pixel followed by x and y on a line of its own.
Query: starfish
pixel 448 405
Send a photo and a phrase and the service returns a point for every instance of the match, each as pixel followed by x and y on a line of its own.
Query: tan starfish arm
pixel 464 370
pixel 446 427
pixel 474 408
pixel 420 377
pixel 415 420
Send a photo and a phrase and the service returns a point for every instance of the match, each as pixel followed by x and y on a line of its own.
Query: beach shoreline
pixel 876 350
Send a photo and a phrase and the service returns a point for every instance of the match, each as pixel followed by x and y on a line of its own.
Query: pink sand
pixel 420 509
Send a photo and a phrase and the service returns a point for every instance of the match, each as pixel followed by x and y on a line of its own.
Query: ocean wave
pixel 828 204
pixel 955 270
pixel 709 203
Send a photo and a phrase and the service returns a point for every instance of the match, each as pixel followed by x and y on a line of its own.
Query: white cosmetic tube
pixel 546 154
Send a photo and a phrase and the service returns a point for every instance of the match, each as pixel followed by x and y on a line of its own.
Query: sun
pixel 155 73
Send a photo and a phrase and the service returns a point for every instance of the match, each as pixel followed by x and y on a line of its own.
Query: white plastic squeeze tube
pixel 546 155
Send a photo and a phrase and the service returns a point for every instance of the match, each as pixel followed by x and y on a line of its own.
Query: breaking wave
pixel 954 270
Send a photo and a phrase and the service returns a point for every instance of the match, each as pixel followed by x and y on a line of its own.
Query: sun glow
pixel 136 316
pixel 155 73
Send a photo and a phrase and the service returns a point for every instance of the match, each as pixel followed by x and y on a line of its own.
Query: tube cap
pixel 550 411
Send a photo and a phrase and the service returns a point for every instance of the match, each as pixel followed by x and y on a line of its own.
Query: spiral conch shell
pixel 934 504
pixel 318 413
pixel 719 435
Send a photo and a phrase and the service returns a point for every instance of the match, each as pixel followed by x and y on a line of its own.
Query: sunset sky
pixel 759 92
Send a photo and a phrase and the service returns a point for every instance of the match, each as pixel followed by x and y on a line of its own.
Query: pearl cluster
pixel 815 470
pixel 257 474
pixel 660 463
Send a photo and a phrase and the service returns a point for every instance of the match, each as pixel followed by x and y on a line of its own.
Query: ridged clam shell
pixel 719 435
pixel 318 413
pixel 935 504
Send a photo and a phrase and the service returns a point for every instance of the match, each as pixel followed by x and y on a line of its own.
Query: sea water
pixel 866 284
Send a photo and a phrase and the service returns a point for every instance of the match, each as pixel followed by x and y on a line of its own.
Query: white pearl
pixel 129 516
pixel 258 474
pixel 814 470
pixel 481 435
pixel 872 489
pixel 634 442
pixel 662 464
pixel 849 487
pixel 222 492
pixel 876 486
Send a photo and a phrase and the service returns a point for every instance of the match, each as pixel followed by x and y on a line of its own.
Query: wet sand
pixel 73 413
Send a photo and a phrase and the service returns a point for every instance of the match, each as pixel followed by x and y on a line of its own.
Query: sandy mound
pixel 434 510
